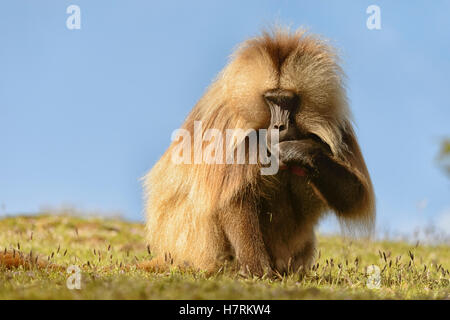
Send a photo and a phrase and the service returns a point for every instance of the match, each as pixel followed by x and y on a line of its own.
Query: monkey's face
pixel 290 84
pixel 283 105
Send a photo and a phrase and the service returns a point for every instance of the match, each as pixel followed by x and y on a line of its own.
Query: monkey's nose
pixel 285 99
pixel 280 126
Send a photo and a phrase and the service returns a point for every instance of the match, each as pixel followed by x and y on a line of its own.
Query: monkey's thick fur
pixel 201 215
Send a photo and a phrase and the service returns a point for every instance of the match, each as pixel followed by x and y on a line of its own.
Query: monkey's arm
pixel 241 225
pixel 342 186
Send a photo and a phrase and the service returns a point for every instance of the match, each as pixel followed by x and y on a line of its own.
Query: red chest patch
pixel 294 169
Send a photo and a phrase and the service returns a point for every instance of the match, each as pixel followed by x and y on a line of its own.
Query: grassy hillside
pixel 102 247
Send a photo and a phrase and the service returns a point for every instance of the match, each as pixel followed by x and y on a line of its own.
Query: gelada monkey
pixel 202 215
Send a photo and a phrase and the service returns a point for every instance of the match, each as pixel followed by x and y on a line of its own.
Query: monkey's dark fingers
pixel 293 153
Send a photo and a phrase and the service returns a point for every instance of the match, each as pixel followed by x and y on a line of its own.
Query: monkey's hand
pixel 303 153
pixel 340 187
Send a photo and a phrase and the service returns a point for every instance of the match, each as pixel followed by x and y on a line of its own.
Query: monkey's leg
pixel 305 257
pixel 341 188
pixel 241 226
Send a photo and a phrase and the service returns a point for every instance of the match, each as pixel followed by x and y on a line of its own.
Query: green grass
pixel 102 247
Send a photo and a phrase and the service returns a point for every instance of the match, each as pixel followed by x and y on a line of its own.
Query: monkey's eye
pixel 315 137
pixel 319 140
pixel 285 99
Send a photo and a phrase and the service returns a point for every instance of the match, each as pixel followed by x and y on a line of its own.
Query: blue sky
pixel 85 113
